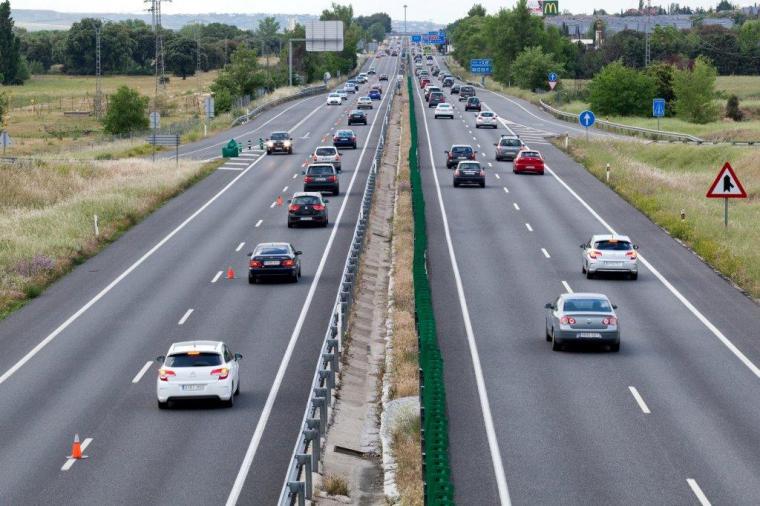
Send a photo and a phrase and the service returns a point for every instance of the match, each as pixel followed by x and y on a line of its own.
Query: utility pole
pixel 647 53
pixel 405 19
pixel 98 105
pixel 198 27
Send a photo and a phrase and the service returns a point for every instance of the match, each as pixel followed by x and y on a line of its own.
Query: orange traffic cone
pixel 76 448
pixel 279 201
pixel 230 273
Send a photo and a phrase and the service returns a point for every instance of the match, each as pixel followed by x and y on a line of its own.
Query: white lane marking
pixel 471 132
pixel 216 277
pixel 71 319
pixel 70 462
pixel 701 497
pixel 273 204
pixel 235 169
pixel 236 163
pixel 185 317
pixel 530 229
pixel 496 175
pixel 567 287
pixel 516 206
pixel 306 135
pixel 266 412
pixel 639 400
pixel 490 164
pixel 493 443
pixel 142 372
pixel 474 138
pixel 240 246
pixel 678 295
pixel 295 176
pixel 506 190
pixel 478 145
pixel 284 189
pixel 546 253
pixel 258 223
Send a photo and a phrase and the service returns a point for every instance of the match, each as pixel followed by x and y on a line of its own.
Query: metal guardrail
pixel 305 92
pixel 306 456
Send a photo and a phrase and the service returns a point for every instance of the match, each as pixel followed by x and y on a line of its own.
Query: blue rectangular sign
pixel 658 107
pixel 481 66
pixel 416 38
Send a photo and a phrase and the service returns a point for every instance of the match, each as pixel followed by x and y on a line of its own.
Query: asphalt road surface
pixel 79 359
pixel 673 418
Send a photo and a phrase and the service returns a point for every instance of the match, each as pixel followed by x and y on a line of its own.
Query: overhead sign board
pixel 586 119
pixel 726 185
pixel 324 35
pixel 417 38
pixel 658 107
pixel 481 66
pixel 550 7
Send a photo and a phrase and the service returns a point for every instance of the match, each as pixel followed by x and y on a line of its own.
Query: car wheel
pixel 237 389
pixel 634 276
pixel 614 348
pixel 589 274
pixel 583 268
pixel 290 225
pixel 290 151
pixel 548 336
pixel 231 402
pixel 163 405
pixel 252 280
pixel 483 184
pixel 336 192
pixel 555 345
pixel 456 185
pixel 294 277
pixel 354 145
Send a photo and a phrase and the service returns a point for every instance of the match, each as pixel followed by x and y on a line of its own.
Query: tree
pixel 724 5
pixel 508 33
pixel 376 32
pixel 4 102
pixel 662 74
pixel 181 56
pixel 732 109
pixel 620 90
pixel 80 47
pixel 626 45
pixel 532 67
pixel 476 10
pixel 695 92
pixel 10 49
pixel 267 34
pixel 126 112
pixel 241 76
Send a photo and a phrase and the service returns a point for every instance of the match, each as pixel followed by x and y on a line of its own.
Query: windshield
pixel 510 142
pixel 193 359
pixel 473 100
pixel 271 250
pixel 279 136
pixel 357 113
pixel 584 305
pixel 611 245
pixel 444 106
pixel 326 151
pixel 319 170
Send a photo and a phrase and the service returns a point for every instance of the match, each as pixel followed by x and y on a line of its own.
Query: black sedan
pixel 344 138
pixel 274 259
pixel 357 116
pixel 307 208
pixel 469 173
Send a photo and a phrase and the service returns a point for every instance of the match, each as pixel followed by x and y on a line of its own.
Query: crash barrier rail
pixel 306 456
pixel 304 92
pixel 436 469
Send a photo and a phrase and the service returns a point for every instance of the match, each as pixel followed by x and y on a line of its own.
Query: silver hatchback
pixel 582 318
pixel 609 253
pixel 327 154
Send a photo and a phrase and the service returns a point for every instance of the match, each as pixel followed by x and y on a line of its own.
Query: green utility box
pixel 231 150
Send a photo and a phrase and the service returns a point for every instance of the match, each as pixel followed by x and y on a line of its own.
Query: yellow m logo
pixel 551 7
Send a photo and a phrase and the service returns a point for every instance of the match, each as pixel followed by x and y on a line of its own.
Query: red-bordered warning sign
pixel 726 185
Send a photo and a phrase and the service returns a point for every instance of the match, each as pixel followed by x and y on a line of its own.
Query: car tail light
pixel 314 158
pixel 256 264
pixel 288 262
pixel 353 137
pixel 567 320
pixel 594 254
pixel 222 372
pixel 472 156
pixel 632 255
pixel 610 320
pixel 482 172
pixel 331 179
pixel 335 138
pixel 293 207
pixel 308 179
pixel 456 172
pixel 163 374
pixel 318 207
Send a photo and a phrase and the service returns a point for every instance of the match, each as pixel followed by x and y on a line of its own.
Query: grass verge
pixel 47 213
pixel 662 180
pixel 335 485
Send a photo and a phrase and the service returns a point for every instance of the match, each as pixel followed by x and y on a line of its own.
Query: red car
pixel 424 82
pixel 528 161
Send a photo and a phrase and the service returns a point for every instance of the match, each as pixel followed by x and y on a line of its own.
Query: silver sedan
pixel 582 318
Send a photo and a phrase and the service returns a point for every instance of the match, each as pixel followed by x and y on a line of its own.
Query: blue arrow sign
pixel 586 119
pixel 658 107
pixel 552 77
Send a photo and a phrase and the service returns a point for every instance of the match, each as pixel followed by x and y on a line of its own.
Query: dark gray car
pixel 466 92
pixel 582 318
pixel 508 147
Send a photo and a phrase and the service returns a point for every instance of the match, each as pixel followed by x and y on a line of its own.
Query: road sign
pixel 324 35
pixel 586 119
pixel 550 7
pixel 552 77
pixel 726 185
pixel 163 140
pixel 658 107
pixel 155 120
pixel 209 107
pixel 5 139
pixel 481 66
pixel 416 38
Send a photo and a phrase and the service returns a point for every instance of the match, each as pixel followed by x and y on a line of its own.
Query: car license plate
pixel 320 179
pixel 272 262
pixel 192 388
pixel 306 218
pixel 530 167
pixel 614 264
pixel 589 335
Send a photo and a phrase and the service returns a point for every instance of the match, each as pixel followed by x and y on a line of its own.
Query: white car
pixel 327 154
pixel 349 88
pixel 444 110
pixel 334 99
pixel 200 370
pixel 610 253
pixel 486 119
pixel 364 103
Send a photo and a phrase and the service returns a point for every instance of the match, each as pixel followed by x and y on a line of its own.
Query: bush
pixel 620 90
pixel 127 112
pixel 694 92
pixel 222 100
pixel 531 68
pixel 732 109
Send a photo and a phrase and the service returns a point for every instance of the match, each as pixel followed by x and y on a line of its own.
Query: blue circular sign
pixel 552 77
pixel 586 119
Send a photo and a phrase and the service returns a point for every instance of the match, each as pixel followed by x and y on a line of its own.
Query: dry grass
pixel 47 208
pixel 406 448
pixel 661 180
pixel 333 484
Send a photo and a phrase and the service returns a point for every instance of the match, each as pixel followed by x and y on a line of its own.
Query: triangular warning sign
pixel 552 84
pixel 726 185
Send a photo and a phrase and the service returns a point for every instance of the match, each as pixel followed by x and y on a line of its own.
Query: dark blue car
pixel 344 138
pixel 375 95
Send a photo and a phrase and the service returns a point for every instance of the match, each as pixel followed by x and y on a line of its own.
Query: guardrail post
pixel 304 459
pixel 297 488
pixel 321 403
pixel 328 376
pixel 325 394
pixel 332 358
pixel 313 434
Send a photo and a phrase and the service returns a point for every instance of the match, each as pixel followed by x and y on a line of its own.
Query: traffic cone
pixel 76 448
pixel 279 201
pixel 230 273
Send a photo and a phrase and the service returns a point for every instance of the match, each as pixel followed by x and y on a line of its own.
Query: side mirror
pixel 250 253
pixel 583 246
pixel 548 305
pixel 238 356
pixel 635 246
pixel 447 152
pixel 326 201
pixel 160 359
pixel 303 172
pixel 614 306
pixel 290 201
pixel 298 253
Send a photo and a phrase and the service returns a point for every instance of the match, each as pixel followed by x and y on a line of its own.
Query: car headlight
pixel 270 143
pixel 286 143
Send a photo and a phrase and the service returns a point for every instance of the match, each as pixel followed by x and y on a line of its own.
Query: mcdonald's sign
pixel 550 7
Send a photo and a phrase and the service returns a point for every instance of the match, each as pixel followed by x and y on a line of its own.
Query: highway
pixel 80 358
pixel 673 418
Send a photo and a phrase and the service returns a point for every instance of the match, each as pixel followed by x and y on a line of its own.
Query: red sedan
pixel 528 161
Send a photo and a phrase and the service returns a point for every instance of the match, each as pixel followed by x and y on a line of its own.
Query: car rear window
pixel 193 359
pixel 357 113
pixel 271 250
pixel 469 166
pixel 473 100
pixel 307 199
pixel 510 142
pixel 344 133
pixel 486 114
pixel 436 94
pixel 466 150
pixel 467 88
pixel 593 305
pixel 326 151
pixel 444 106
pixel 279 136
pixel 319 170
pixel 613 245
pixel 530 154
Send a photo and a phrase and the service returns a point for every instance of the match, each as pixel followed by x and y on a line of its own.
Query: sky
pixel 439 11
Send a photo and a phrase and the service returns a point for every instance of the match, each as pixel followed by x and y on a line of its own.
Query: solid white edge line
pixel 258 223
pixel 216 277
pixel 70 462
pixel 240 246
pixel 567 287
pixel 546 253
pixel 266 412
pixel 142 372
pixel 701 497
pixel 71 319
pixel 678 295
pixel 639 400
pixel 185 317
pixel 493 443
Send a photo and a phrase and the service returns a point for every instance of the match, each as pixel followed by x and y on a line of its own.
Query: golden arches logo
pixel 551 7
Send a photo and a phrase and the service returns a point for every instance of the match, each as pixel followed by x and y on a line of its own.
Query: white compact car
pixel 349 88
pixel 486 119
pixel 444 110
pixel 198 370
pixel 609 253
pixel 341 93
pixel 327 154
pixel 364 103
pixel 334 99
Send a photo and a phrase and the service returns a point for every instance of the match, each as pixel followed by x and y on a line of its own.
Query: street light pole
pixel 404 19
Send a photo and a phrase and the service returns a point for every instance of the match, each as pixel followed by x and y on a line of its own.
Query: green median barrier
pixel 232 149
